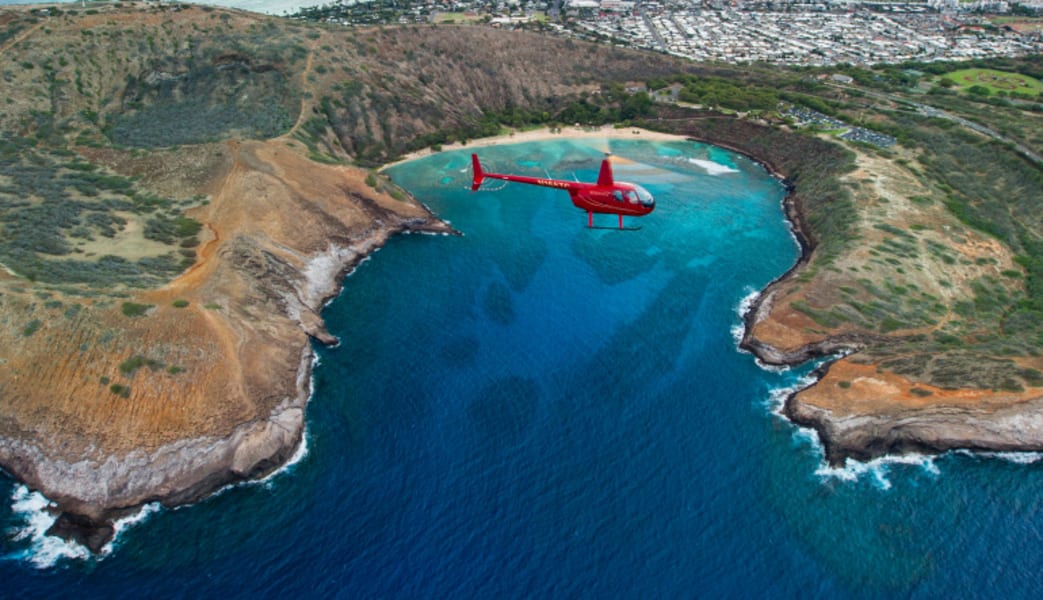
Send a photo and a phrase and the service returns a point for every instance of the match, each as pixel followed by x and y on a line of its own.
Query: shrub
pixel 132 364
pixel 133 309
pixel 31 327
pixel 180 303
pixel 120 390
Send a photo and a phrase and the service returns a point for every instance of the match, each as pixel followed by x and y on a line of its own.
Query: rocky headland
pixel 881 393
pixel 220 360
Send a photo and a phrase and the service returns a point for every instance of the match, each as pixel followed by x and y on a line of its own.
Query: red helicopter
pixel 607 196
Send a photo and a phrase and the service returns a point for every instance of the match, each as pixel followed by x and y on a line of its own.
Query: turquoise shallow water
pixel 539 409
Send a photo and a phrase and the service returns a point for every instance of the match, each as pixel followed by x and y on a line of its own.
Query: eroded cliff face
pixel 910 385
pixel 863 413
pixel 103 412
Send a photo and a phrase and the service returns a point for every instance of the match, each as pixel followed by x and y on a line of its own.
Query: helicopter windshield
pixel 643 196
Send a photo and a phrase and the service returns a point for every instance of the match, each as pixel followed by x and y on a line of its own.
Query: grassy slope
pixel 975 319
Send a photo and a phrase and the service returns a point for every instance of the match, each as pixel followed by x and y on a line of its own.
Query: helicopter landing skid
pixel 590 224
pixel 628 228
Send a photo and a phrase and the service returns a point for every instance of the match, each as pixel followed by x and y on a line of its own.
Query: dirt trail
pixel 18 39
pixel 304 87
pixel 190 280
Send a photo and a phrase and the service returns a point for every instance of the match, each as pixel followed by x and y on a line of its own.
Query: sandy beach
pixel 544 133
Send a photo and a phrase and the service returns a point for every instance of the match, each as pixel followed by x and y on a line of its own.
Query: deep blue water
pixel 539 409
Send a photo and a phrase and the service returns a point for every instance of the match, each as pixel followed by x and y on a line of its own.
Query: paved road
pixel 651 27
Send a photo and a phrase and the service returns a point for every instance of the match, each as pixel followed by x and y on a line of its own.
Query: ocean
pixel 538 409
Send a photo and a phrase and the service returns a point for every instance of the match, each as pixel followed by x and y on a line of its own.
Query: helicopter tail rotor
pixel 478 174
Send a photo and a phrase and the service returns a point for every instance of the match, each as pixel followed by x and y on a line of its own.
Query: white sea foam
pixel 877 469
pixel 37 515
pixel 737 330
pixel 422 232
pixel 1019 458
pixel 777 396
pixel 772 368
pixel 43 551
pixel 805 437
pixel 362 261
pixel 121 525
pixel 743 307
pixel 298 455
pixel 711 167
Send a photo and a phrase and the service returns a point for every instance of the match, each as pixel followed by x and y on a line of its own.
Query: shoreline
pixel 542 134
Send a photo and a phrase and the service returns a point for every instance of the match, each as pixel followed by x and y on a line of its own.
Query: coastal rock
pixel 265 445
pixel 1014 428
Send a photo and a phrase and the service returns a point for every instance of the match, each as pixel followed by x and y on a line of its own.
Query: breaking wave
pixel 711 167
pixel 1018 458
pixel 877 470
pixel 35 515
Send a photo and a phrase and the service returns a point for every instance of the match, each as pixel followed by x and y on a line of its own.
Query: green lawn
pixel 996 81
pixel 1022 24
pixel 456 17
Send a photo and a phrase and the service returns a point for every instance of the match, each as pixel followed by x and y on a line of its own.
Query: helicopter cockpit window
pixel 631 196
pixel 644 196
pixel 617 195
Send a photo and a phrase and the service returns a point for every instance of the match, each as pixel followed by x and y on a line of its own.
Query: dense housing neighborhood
pixel 796 33
pixel 812 33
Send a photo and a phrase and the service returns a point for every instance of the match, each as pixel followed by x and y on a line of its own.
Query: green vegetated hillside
pixel 56 209
pixel 992 186
pixel 79 80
